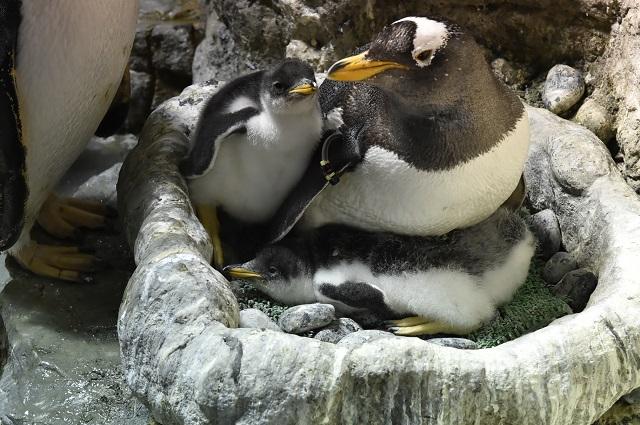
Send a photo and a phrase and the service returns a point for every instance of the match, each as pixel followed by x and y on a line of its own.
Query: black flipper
pixel 216 123
pixel 13 187
pixel 358 295
pixel 335 156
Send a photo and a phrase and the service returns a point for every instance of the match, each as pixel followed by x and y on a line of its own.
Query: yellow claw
pixel 417 325
pixel 60 262
pixel 62 217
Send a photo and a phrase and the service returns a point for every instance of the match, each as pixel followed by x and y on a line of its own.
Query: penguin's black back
pixel 459 109
pixel 13 189
pixel 214 121
pixel 474 249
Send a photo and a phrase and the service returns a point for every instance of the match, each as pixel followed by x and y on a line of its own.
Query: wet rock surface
pixel 254 318
pixel 558 265
pixel 306 317
pixel 337 330
pixel 576 286
pixel 563 88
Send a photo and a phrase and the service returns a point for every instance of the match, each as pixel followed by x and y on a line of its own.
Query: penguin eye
pixel 278 85
pixel 424 55
pixel 273 271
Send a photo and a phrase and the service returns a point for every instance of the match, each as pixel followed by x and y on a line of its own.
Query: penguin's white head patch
pixel 430 36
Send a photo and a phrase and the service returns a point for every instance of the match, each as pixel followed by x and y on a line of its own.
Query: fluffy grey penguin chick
pixel 445 284
pixel 253 142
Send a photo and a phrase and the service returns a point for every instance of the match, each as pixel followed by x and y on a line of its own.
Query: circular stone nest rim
pixel 187 362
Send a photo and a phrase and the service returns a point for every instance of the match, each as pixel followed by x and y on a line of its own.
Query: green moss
pixel 533 307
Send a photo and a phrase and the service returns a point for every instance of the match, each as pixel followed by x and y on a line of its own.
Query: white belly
pixel 250 178
pixel 71 56
pixel 383 194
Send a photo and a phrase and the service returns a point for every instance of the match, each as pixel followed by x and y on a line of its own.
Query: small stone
pixel 142 86
pixel 140 58
pixel 101 187
pixel 508 73
pixel 558 265
pixel 173 47
pixel 254 318
pixel 362 337
pixel 305 317
pixel 596 118
pixel 337 330
pixel 563 88
pixel 461 343
pixel 633 397
pixel 576 286
pixel 545 227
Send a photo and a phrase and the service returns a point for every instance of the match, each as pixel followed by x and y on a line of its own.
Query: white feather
pixel 384 193
pixel 240 103
pixel 430 35
pixel 71 55
pixel 450 296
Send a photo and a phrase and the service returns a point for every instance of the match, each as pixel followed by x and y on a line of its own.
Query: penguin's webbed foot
pixel 63 217
pixel 208 216
pixel 60 262
pixel 418 325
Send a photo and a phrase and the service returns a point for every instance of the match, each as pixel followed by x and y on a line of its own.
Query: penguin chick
pixel 440 142
pixel 445 284
pixel 253 142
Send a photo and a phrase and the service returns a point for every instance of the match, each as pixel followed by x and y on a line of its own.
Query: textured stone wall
pixel 184 358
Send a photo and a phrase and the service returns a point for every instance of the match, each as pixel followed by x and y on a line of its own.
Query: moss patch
pixel 533 307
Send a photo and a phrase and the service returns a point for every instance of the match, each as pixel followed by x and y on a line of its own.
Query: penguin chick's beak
pixel 237 272
pixel 305 88
pixel 355 68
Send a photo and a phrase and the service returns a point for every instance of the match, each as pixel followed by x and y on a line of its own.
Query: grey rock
pixel 172 48
pixel 306 317
pixel 254 318
pixel 184 357
pixel 563 88
pixel 545 227
pixel 362 337
pixel 558 265
pixel 140 59
pixel 511 75
pixel 576 286
pixel 337 330
pixel 319 58
pixel 633 397
pixel 163 91
pixel 101 187
pixel 218 57
pixel 460 343
pixel 596 118
pixel 142 87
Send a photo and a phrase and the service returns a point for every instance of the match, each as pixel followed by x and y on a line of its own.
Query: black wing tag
pixel 335 156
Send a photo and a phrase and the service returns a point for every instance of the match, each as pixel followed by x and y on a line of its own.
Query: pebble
pixel 563 88
pixel 508 73
pixel 545 227
pixel 576 286
pixel 461 343
pixel 596 118
pixel 558 265
pixel 337 330
pixel 254 318
pixel 306 317
pixel 362 337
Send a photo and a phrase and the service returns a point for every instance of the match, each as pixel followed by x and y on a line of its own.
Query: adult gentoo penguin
pixel 60 66
pixel 436 284
pixel 437 142
pixel 253 142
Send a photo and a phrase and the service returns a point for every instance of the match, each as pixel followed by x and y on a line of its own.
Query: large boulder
pixel 185 358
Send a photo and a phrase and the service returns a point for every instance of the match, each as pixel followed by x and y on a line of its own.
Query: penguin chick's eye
pixel 273 271
pixel 424 56
pixel 278 85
